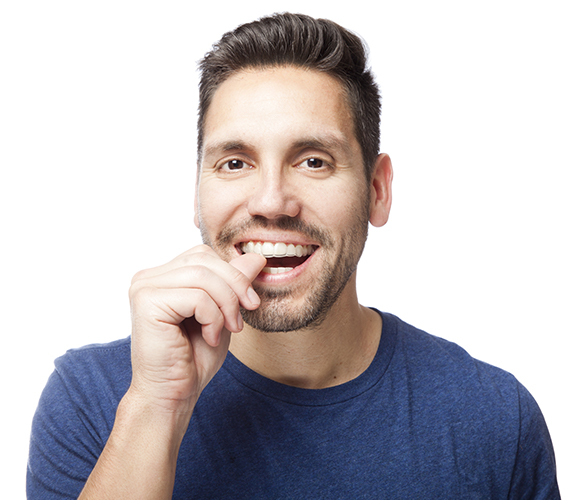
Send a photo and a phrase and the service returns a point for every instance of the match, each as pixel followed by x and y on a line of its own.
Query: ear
pixel 380 191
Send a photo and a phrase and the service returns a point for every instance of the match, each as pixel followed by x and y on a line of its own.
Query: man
pixel 252 370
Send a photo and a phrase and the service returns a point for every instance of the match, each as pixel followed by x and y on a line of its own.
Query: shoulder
pixel 485 409
pixel 445 361
pixel 75 416
pixel 440 377
pixel 97 366
pixel 92 378
pixel 489 414
pixel 96 355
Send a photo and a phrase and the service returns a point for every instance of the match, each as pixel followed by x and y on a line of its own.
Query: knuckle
pixel 204 257
pixel 204 276
pixel 205 305
pixel 141 294
pixel 204 248
pixel 196 258
pixel 139 276
pixel 207 312
pixel 199 250
pixel 197 273
pixel 239 278
pixel 231 299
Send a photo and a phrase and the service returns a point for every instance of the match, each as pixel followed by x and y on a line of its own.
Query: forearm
pixel 182 316
pixel 139 459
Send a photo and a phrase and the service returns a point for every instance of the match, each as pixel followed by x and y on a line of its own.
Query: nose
pixel 273 196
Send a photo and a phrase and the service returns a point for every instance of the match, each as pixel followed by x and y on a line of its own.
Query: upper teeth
pixel 268 249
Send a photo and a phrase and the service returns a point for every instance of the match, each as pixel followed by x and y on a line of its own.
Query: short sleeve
pixel 534 475
pixel 74 418
pixel 63 447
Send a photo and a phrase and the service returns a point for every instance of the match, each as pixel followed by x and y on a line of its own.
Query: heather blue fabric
pixel 424 421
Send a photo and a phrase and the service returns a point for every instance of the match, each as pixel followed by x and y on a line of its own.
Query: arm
pixel 182 316
pixel 534 474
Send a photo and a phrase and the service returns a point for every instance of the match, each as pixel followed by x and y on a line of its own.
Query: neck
pixel 332 353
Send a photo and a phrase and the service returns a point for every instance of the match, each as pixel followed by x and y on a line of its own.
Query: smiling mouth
pixel 281 257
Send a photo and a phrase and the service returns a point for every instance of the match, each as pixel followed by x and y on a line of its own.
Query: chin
pixel 276 314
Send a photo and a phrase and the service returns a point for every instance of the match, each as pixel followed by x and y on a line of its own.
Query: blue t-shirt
pixel 424 421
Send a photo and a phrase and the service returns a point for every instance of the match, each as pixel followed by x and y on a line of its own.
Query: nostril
pixel 273 202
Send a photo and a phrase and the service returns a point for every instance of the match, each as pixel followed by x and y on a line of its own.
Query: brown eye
pixel 314 163
pixel 235 165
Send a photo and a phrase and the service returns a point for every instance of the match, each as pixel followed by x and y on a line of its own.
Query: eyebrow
pixel 326 141
pixel 226 146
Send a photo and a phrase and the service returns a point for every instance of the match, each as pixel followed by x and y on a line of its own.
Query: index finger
pixel 184 259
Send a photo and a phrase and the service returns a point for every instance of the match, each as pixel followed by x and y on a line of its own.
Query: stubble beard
pixel 275 313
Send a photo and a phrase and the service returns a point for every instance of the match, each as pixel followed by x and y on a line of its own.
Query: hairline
pixel 346 92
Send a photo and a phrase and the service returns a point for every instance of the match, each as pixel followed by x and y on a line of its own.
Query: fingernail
pixel 240 322
pixel 253 296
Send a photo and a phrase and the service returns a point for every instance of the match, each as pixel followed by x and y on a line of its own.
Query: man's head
pixel 301 41
pixel 283 164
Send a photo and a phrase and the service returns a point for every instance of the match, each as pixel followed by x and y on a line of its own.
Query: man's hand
pixel 182 316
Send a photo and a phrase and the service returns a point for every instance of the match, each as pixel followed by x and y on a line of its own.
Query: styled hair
pixel 301 41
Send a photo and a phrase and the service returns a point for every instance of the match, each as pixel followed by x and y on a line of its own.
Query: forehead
pixel 269 104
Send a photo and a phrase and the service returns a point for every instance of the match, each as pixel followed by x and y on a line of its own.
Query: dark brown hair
pixel 301 41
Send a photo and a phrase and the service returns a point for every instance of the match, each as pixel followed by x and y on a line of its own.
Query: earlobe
pixel 380 191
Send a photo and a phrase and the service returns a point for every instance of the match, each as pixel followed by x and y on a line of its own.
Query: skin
pixel 261 131
pixel 183 312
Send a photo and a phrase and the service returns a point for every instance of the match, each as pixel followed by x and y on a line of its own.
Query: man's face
pixel 281 164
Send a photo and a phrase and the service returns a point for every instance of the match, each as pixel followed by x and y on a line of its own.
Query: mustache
pixel 231 233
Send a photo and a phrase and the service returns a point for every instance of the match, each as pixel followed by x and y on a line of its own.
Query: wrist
pixel 140 456
pixel 167 418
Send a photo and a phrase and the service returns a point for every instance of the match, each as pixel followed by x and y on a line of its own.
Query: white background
pixel 97 154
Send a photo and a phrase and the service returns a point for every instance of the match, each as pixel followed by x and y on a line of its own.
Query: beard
pixel 276 312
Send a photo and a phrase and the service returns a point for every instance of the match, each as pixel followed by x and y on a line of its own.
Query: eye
pixel 313 163
pixel 233 165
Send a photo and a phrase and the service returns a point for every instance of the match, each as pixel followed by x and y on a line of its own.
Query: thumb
pixel 249 264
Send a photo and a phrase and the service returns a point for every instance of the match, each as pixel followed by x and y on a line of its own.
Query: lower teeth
pixel 276 270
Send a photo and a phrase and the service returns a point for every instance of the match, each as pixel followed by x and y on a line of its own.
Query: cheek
pixel 217 205
pixel 341 208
